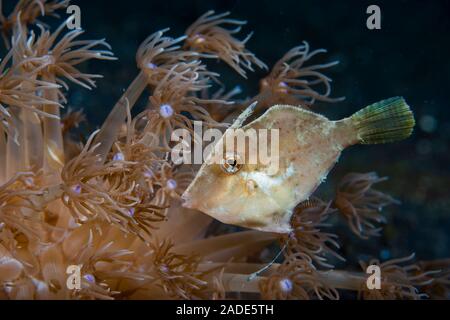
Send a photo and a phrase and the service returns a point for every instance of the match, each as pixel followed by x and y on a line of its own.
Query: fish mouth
pixel 187 200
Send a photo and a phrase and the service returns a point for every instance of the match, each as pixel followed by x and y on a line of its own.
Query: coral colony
pixel 111 204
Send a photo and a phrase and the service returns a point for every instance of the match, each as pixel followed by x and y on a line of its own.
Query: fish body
pixel 255 196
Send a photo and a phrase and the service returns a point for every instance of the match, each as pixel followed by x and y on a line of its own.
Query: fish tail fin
pixel 384 121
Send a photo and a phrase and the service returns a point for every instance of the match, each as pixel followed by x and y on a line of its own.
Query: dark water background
pixel 409 56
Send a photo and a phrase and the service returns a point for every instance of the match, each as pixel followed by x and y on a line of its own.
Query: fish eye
pixel 231 164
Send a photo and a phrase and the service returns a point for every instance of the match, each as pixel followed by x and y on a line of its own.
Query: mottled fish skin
pixel 259 199
pixel 310 144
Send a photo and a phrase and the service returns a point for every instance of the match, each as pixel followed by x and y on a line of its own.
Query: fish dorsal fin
pixel 243 116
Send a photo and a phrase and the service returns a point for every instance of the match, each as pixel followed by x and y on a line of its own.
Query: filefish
pixel 255 197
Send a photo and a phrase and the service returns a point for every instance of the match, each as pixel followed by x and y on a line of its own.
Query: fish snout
pixel 188 200
pixel 186 197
